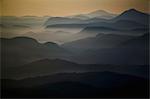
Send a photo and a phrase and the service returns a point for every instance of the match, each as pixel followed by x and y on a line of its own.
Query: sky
pixel 67 7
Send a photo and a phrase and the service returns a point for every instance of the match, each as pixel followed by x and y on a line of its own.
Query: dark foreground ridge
pixel 64 85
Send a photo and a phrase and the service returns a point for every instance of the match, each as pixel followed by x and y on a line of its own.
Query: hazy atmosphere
pixel 74 48
pixel 68 7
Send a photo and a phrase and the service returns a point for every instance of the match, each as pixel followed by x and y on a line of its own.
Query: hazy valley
pixel 98 53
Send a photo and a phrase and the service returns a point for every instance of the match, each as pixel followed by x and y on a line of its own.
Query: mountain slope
pixel 129 19
pixel 95 14
pixel 92 84
pixel 134 15
pixel 26 49
pixel 100 41
pixel 40 68
pixel 111 49
pixel 101 14
pixel 61 20
pixel 139 42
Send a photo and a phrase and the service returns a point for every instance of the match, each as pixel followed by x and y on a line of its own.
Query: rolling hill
pixel 26 50
pixel 92 84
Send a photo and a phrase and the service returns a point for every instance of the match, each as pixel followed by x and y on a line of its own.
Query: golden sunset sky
pixel 68 7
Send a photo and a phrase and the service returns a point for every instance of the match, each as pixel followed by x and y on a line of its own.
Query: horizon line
pixel 1 15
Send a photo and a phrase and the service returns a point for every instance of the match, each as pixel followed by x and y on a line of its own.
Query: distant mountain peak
pixel 50 43
pixel 98 11
pixel 132 12
pixel 134 15
pixel 98 14
pixel 25 39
